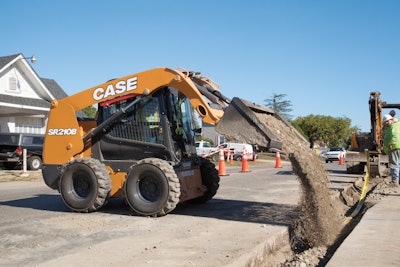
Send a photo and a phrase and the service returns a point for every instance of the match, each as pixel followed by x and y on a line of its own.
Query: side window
pixel 140 123
pixel 38 140
pixel 32 140
pixel 27 140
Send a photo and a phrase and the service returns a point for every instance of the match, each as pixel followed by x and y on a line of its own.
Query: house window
pixel 12 85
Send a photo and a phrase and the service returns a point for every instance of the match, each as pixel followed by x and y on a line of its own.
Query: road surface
pixel 246 221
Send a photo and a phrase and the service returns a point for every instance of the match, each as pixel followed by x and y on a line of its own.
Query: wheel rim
pixel 81 185
pixel 36 164
pixel 149 188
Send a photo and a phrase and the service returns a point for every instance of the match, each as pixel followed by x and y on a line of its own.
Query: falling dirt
pixel 320 222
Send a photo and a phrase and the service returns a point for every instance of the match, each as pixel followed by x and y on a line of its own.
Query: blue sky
pixel 326 56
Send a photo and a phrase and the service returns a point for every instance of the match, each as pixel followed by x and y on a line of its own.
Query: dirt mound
pixel 319 223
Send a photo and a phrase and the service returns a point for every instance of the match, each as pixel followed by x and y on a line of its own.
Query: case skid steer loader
pixel 141 146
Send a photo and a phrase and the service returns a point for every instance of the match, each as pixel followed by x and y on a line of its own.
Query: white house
pixel 24 97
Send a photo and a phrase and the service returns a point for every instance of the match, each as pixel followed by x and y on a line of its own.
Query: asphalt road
pixel 247 219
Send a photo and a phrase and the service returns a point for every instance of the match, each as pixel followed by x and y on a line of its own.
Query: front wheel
pixel 152 187
pixel 85 185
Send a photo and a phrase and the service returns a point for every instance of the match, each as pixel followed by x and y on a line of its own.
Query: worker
pixel 391 146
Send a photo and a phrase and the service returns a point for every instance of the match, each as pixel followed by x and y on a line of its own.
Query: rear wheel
pixel 210 179
pixel 85 185
pixel 34 163
pixel 152 187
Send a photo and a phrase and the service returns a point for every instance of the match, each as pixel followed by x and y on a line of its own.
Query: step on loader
pixel 141 145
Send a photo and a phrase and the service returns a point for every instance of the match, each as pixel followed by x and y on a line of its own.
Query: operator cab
pixel 159 125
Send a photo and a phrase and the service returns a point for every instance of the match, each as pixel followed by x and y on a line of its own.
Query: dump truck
pixel 141 145
pixel 372 142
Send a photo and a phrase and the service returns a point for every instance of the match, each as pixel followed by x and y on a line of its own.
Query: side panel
pixel 63 135
pixel 191 184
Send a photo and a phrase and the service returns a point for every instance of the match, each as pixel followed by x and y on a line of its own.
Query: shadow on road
pixel 243 211
pixel 222 209
pixel 38 202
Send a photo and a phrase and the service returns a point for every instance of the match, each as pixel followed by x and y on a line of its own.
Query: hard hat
pixel 387 117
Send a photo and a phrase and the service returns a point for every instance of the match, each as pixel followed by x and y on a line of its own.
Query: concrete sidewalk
pixel 375 241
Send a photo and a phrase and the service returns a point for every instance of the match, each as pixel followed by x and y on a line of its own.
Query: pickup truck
pixel 12 146
pixel 204 148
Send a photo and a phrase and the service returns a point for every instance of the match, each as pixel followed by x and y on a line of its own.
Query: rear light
pixel 18 151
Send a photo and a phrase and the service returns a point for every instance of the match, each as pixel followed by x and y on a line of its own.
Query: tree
pixel 331 131
pixel 279 105
pixel 90 111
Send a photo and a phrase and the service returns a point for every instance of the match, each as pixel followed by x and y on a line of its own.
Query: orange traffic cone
pixel 341 159
pixel 221 163
pixel 278 160
pixel 231 158
pixel 245 164
pixel 254 157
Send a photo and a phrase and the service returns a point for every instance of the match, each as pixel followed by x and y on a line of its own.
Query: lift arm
pixel 64 136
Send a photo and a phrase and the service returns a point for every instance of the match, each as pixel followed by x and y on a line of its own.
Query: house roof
pixel 7 59
pixel 24 101
pixel 47 90
pixel 50 84
pixel 54 88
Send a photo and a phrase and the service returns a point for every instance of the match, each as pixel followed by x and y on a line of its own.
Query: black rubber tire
pixel 85 185
pixel 34 163
pixel 239 158
pixel 215 157
pixel 210 179
pixel 152 187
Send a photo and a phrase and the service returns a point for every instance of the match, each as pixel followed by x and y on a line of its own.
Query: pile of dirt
pixel 319 223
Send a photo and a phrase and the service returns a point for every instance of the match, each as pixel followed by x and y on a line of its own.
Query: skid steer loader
pixel 141 146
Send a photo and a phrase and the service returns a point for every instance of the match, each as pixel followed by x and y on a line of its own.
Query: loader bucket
pixel 254 124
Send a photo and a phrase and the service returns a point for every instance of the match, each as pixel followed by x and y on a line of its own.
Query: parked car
pixel 12 146
pixel 334 154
